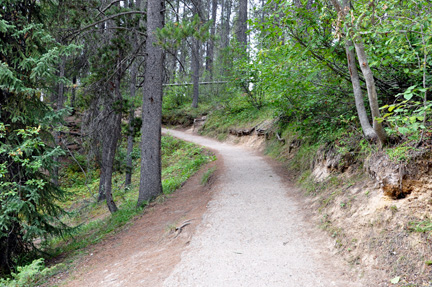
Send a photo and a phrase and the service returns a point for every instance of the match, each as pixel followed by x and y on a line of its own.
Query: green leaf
pixel 404 130
pixel 410 89
pixel 408 96
pixel 391 108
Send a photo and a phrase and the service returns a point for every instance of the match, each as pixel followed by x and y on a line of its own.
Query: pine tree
pixel 28 57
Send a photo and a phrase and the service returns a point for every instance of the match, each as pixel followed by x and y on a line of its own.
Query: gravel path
pixel 254 233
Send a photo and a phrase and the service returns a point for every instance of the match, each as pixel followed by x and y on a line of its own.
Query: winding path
pixel 254 232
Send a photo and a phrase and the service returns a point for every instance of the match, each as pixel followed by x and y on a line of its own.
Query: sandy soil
pixel 249 230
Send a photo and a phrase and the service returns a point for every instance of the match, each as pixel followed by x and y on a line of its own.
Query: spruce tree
pixel 28 57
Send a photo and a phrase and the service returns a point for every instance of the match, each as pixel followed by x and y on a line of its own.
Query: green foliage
pixel 184 115
pixel 172 34
pixel 247 78
pixel 179 161
pixel 400 153
pixel 93 231
pixel 301 66
pixel 407 117
pixel 30 275
pixel 28 198
pixel 295 71
pixel 177 96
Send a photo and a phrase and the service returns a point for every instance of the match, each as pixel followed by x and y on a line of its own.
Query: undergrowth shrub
pixel 30 275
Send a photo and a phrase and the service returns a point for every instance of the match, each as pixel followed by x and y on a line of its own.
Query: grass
pixel 424 226
pixel 180 163
pixel 399 153
pixel 207 175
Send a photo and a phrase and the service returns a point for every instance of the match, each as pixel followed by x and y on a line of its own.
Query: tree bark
pixel 132 90
pixel 196 52
pixel 371 88
pixel 210 43
pixel 130 140
pixel 73 99
pixel 183 49
pixel 109 146
pixel 368 75
pixel 358 96
pixel 242 23
pixel 195 71
pixel 223 58
pixel 226 24
pixel 112 128
pixel 150 181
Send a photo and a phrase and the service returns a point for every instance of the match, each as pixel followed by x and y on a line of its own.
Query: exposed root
pixel 179 229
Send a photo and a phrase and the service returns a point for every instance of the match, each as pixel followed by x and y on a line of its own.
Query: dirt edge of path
pixel 147 249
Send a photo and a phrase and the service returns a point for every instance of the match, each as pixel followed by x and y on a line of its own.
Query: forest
pixel 85 87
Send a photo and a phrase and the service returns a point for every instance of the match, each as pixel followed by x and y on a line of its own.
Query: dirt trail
pixel 249 230
pixel 254 233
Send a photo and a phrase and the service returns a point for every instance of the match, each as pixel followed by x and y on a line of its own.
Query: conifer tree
pixel 28 198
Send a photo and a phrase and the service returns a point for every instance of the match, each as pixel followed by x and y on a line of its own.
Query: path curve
pixel 254 233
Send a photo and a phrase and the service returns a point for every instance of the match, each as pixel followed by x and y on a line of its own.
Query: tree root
pixel 179 229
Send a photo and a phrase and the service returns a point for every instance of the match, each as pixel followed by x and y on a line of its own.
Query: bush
pixel 30 275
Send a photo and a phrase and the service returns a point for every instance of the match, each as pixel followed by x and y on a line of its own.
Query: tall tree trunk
pixel 150 181
pixel 73 99
pixel 183 49
pixel 225 38
pixel 130 140
pixel 195 71
pixel 132 90
pixel 196 55
pixel 109 145
pixel 111 130
pixel 60 105
pixel 355 80
pixel 371 88
pixel 226 24
pixel 210 43
pixel 242 23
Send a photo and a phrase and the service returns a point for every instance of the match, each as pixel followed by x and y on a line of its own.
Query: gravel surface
pixel 255 233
